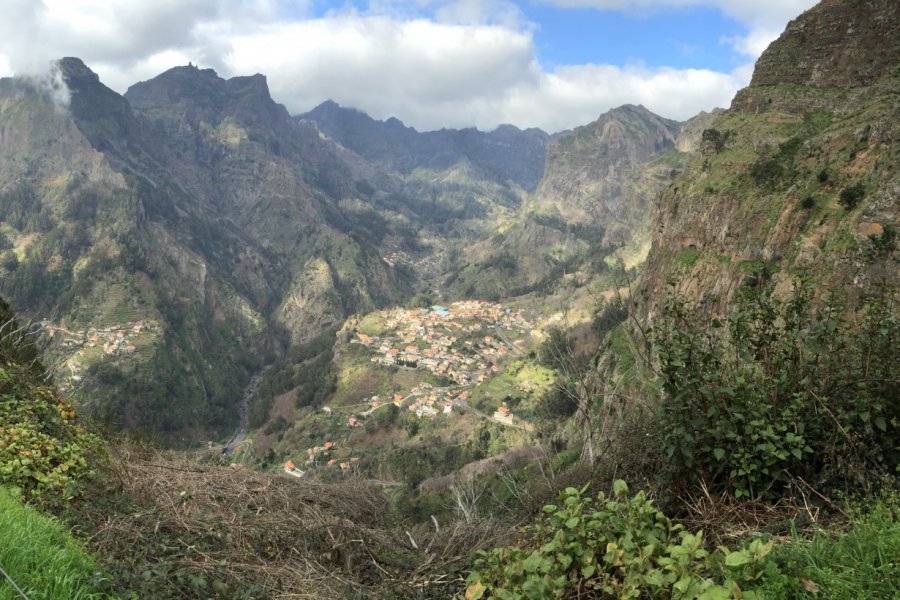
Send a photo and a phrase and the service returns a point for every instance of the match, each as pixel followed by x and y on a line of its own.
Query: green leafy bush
pixel 714 139
pixel 618 548
pixel 851 196
pixel 44 453
pixel 779 391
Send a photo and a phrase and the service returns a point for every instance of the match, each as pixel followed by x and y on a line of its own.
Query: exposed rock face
pixel 586 169
pixel 690 137
pixel 766 201
pixel 836 43
pixel 594 198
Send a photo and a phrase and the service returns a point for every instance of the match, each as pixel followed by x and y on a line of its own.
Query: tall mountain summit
pixel 203 215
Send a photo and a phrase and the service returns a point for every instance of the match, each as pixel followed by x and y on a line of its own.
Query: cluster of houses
pixel 319 455
pixel 427 401
pixel 447 341
pixel 112 340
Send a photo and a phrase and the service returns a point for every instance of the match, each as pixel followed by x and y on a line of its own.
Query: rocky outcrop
pixel 586 169
pixel 690 136
pixel 837 44
pixel 593 200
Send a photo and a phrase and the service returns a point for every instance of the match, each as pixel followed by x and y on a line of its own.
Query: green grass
pixel 41 556
pixel 687 258
pixel 860 563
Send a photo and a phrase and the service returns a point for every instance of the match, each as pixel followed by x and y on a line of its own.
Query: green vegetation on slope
pixel 619 547
pixel 779 393
pixel 42 558
pixel 862 561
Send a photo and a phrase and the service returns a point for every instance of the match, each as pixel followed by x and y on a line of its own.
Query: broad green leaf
pixel 533 561
pixel 738 559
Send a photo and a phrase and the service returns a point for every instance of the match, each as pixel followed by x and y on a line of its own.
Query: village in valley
pixel 82 347
pixel 463 344
pixel 457 348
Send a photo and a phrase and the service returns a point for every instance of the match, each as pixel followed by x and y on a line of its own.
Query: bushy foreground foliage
pixel 616 547
pixel 44 453
pixel 179 528
pixel 780 392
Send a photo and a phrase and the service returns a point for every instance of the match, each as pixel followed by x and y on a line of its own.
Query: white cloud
pixel 431 63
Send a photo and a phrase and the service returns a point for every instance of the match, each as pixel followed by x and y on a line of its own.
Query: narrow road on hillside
pixel 506 339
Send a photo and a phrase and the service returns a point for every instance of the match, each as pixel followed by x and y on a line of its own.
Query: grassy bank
pixel 41 557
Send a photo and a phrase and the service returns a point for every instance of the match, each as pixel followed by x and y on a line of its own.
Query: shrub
pixel 767 171
pixel 44 453
pixel 851 196
pixel 713 140
pixel 882 246
pixel 618 547
pixel 777 391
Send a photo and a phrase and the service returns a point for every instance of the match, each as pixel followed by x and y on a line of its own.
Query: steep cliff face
pixel 586 169
pixel 801 176
pixel 836 44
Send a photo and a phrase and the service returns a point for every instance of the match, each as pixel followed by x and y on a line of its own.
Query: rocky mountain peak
pixel 634 129
pixel 844 43
pixel 583 179
pixel 201 94
pixel 506 154
pixel 102 115
pixel 75 71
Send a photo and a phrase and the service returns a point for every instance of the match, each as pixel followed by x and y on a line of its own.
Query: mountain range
pixel 198 210
pixel 198 206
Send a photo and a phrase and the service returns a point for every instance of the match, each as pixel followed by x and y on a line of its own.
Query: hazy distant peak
pixel 507 152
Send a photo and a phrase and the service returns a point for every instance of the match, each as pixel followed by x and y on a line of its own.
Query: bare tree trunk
pixel 587 426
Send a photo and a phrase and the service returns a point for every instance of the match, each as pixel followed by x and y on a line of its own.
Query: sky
pixel 553 64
